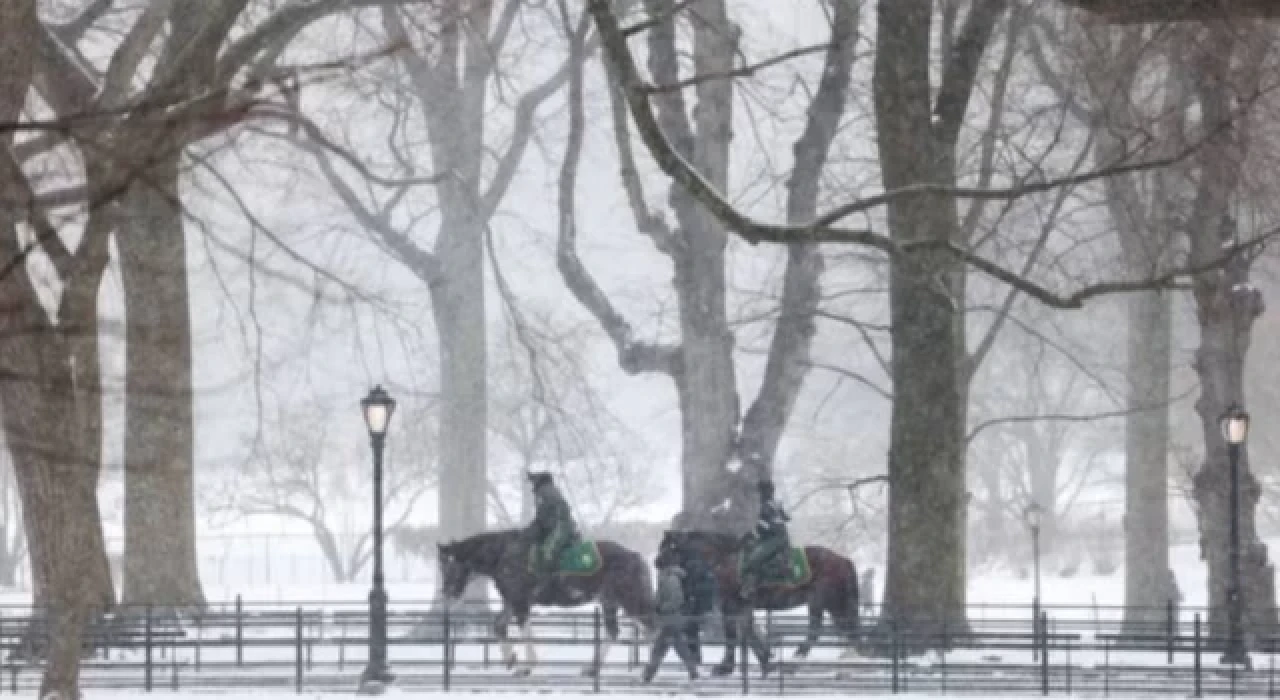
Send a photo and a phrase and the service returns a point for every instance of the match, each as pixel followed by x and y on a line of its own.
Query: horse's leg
pixel 757 644
pixel 609 613
pixel 531 654
pixel 815 628
pixel 501 632
pixel 730 614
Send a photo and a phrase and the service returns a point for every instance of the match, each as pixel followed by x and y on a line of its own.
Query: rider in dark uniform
pixel 770 542
pixel 552 531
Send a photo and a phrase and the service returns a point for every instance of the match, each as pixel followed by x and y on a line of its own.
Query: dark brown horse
pixel 621 580
pixel 832 588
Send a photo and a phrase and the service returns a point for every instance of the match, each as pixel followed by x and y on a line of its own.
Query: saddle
pixel 579 559
pixel 790 571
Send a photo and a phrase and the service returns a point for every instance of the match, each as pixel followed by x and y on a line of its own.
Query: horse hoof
pixel 721 671
pixel 800 655
pixel 590 672
pixel 523 672
pixel 511 661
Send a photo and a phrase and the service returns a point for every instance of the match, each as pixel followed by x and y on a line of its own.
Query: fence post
pixel 239 631
pixel 446 651
pixel 1196 643
pixel 146 646
pixel 297 648
pixel 1170 626
pixel 1044 653
pixel 942 654
pixel 744 629
pixel 893 654
pixel 595 645
pixel 199 638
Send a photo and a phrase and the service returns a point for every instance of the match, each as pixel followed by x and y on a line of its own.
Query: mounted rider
pixel 552 531
pixel 769 545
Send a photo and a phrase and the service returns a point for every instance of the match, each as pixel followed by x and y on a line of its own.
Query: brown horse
pixel 832 587
pixel 621 579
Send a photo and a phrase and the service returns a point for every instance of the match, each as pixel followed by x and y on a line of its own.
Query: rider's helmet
pixel 536 479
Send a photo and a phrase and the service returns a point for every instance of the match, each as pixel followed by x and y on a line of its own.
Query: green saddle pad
pixel 797 573
pixel 581 559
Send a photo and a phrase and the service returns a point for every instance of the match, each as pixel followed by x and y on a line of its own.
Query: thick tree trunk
pixel 1148 584
pixel 925 588
pixel 707 382
pixel 458 306
pixel 70 573
pixel 916 139
pixel 1226 307
pixel 160 563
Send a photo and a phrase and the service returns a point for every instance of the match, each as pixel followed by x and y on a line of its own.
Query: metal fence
pixel 314 647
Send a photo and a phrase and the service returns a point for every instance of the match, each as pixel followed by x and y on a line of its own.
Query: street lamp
pixel 1033 515
pixel 378 407
pixel 1235 429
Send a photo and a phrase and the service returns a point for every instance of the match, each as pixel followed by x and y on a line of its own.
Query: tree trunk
pixel 916 139
pixel 925 588
pixel 458 306
pixel 160 563
pixel 1148 578
pixel 707 382
pixel 1226 308
pixel 70 573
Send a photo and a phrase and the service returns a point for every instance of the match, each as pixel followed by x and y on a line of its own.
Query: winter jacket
pixel 552 518
pixel 772 521
pixel 699 586
pixel 671 591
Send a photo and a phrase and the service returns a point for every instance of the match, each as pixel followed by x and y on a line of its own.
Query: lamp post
pixel 378 407
pixel 1235 429
pixel 1033 515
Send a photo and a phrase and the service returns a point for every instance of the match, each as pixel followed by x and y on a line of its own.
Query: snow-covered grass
pixel 394 693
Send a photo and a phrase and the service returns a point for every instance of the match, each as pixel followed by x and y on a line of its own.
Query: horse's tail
pixel 853 606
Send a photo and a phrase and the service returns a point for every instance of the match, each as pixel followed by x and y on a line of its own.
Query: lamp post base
pixel 375 679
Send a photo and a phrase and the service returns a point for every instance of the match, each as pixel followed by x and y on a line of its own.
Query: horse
pixel 620 579
pixel 832 587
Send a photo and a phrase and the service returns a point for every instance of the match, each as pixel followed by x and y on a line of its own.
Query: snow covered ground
pixel 393 693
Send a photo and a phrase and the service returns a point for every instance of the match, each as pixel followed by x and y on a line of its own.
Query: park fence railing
pixel 322 646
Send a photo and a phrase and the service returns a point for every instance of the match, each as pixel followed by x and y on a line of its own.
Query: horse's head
pixel 455 570
pixel 672 549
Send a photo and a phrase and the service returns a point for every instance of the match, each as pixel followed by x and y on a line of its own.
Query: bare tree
pixel 125 144
pixel 450 61
pixel 305 468
pixel 715 431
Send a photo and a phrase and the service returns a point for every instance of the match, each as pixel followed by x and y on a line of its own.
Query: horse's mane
pixel 716 539
pixel 484 540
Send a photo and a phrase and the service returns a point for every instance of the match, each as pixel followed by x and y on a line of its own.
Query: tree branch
pixel 634 357
pixel 743 72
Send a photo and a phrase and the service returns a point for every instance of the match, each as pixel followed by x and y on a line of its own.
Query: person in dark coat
pixel 671 606
pixel 700 598
pixel 770 543
pixel 553 529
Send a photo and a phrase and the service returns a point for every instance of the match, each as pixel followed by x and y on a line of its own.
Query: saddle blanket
pixel 581 559
pixel 796 573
